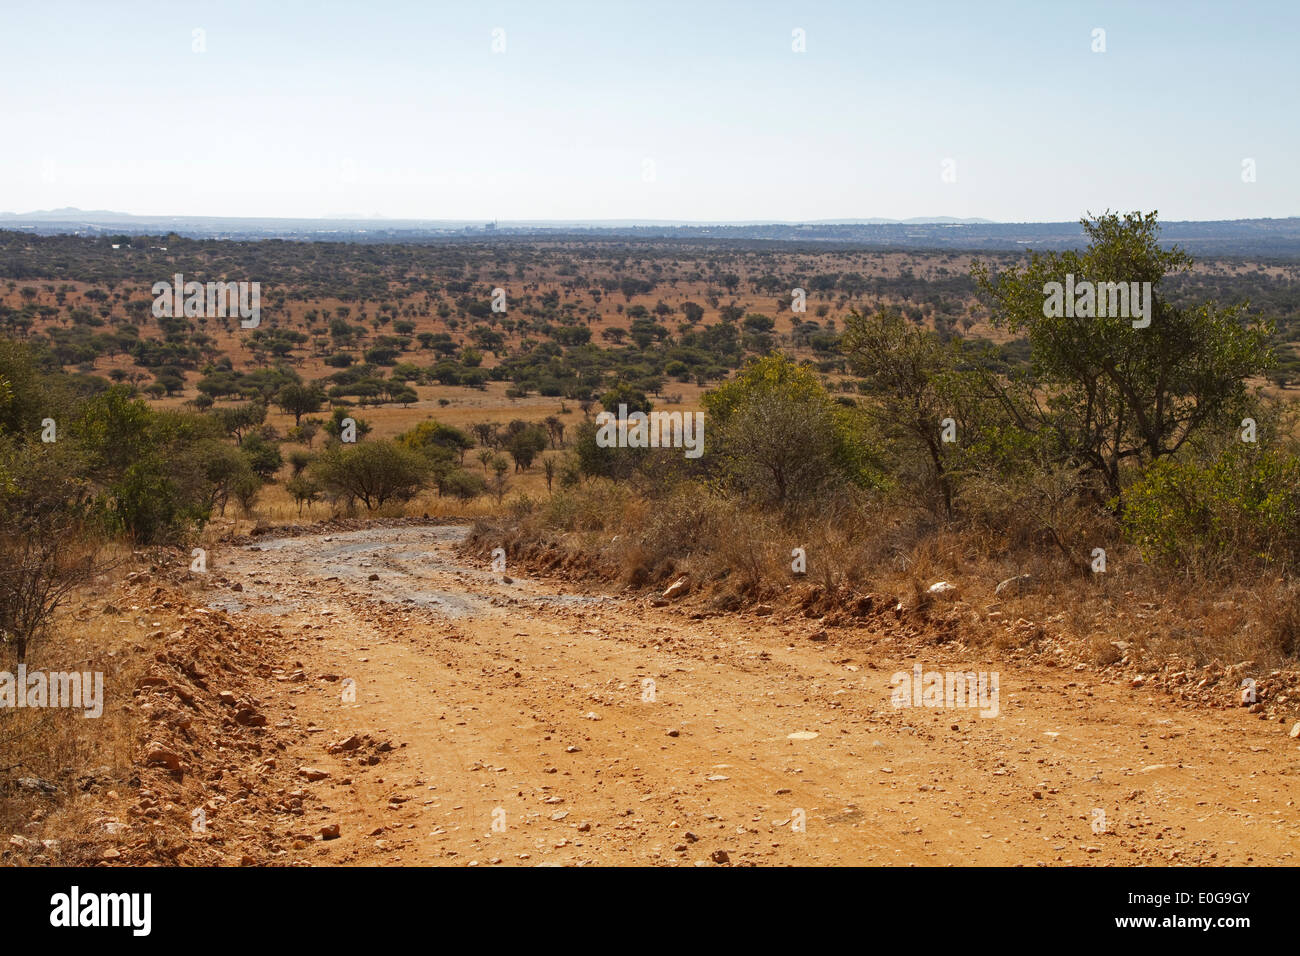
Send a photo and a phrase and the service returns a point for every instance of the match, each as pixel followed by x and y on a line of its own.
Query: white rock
pixel 677 589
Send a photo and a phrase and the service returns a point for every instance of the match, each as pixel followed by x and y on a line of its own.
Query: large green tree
pixel 1111 389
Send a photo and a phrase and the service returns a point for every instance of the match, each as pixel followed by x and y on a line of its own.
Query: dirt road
pixel 530 726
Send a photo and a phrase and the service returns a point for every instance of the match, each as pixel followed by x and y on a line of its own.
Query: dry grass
pixel 81 758
pixel 736 556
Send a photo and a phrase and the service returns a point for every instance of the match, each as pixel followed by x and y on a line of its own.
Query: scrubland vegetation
pixel 922 421
pixel 1154 445
pixel 864 437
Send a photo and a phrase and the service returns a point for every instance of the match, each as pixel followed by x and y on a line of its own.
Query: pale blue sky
pixel 403 109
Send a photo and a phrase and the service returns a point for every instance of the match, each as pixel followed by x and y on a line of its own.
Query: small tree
pixel 782 438
pixel 465 485
pixel 555 429
pixel 438 440
pixel 239 420
pixel 48 539
pixel 373 472
pixel 224 467
pixel 304 490
pixel 263 455
pixel 911 375
pixel 499 481
pixel 333 426
pixel 246 489
pixel 525 445
pixel 306 432
pixel 625 394
pixel 298 400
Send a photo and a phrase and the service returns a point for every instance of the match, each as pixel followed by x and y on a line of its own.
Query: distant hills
pixel 1242 237
pixel 104 217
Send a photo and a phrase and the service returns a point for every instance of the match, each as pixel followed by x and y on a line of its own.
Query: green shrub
pixel 373 472
pixel 463 484
pixel 263 455
pixel 154 471
pixel 780 439
pixel 1243 506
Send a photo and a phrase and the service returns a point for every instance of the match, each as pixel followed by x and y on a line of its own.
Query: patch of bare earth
pixel 383 688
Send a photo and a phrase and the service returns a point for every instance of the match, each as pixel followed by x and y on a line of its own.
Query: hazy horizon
pixel 71 213
pixel 708 114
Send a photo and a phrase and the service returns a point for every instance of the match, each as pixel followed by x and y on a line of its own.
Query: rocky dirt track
pixel 499 721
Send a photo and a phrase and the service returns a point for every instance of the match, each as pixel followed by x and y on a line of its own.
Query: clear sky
pixel 650 110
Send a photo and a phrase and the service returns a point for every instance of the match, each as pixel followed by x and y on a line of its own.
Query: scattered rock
pixel 679 588
pixel 157 754
pixel 313 773
pixel 39 785
pixel 248 717
pixel 347 743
